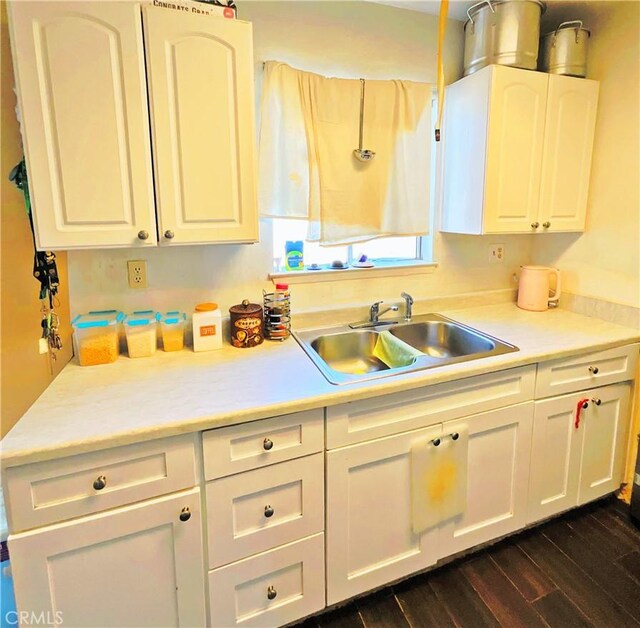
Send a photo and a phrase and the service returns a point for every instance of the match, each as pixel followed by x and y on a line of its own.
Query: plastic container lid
pixel 98 318
pixel 172 318
pixel 140 318
pixel 282 286
pixel 206 307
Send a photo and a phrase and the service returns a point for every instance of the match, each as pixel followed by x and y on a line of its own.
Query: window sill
pixel 315 276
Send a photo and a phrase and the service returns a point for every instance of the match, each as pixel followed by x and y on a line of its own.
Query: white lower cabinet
pixel 270 589
pixel 369 527
pixel 369 536
pixel 573 463
pixel 498 471
pixel 140 565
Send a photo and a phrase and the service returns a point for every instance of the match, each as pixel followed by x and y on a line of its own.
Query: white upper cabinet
pixel 568 142
pixel 517 152
pixel 202 111
pixel 80 77
pixel 85 103
pixel 514 149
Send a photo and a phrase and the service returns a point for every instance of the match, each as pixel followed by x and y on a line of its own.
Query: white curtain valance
pixel 308 133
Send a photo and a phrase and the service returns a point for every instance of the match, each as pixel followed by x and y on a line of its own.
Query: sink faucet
pixel 408 300
pixel 375 313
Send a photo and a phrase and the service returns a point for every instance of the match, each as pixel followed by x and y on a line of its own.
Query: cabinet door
pixel 566 162
pixel 555 457
pixel 135 566
pixel 606 430
pixel 81 87
pixel 498 477
pixel 202 112
pixel 370 540
pixel 464 144
pixel 514 150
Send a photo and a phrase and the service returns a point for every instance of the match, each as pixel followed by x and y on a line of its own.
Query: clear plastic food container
pixel 140 328
pixel 96 337
pixel 172 325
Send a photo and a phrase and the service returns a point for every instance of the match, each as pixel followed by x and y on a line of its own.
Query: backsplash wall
pixel 333 38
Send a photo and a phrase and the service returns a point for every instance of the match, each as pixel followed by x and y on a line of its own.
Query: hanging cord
pixel 45 269
pixel 442 27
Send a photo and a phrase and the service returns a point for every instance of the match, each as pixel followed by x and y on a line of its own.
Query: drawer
pixel 55 490
pixel 376 417
pixel 237 448
pixel 254 511
pixel 270 589
pixel 566 375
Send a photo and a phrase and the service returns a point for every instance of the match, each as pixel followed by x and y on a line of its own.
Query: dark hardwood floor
pixel 582 569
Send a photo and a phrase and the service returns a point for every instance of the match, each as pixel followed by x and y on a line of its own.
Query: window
pixel 382 251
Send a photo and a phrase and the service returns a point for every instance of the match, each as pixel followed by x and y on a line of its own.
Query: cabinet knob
pixel 455 436
pixel 267 444
pixel 169 234
pixel 597 401
pixel 271 593
pixel 185 514
pixel 594 370
pixel 436 442
pixel 535 225
pixel 546 225
pixel 100 482
pixel 143 235
pixel 585 405
pixel 268 511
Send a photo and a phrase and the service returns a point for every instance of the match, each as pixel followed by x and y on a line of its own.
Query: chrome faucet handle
pixel 374 311
pixel 408 299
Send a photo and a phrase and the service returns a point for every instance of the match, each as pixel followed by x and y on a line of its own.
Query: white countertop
pixel 90 408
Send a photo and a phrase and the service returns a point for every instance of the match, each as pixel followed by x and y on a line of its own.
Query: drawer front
pixel 557 377
pixel 254 511
pixel 271 589
pixel 367 419
pixel 55 490
pixel 237 448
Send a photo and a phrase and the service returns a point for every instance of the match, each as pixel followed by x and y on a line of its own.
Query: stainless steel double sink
pixel 346 355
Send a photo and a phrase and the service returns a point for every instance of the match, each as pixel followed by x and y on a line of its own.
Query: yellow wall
pixel 24 373
pixel 604 262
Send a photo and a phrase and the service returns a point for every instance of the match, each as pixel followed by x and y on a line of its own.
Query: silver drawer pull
pixel 99 483
pixel 271 593
pixel 594 370
pixel 436 442
pixel 267 444
pixel 185 514
pixel 455 436
pixel 268 511
pixel 597 401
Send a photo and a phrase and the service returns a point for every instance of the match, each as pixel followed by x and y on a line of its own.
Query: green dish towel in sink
pixel 393 352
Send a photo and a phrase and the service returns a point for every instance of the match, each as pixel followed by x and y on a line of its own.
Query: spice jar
pixel 246 325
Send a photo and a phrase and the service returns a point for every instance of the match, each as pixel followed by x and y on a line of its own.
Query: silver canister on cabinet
pixel 505 32
pixel 564 51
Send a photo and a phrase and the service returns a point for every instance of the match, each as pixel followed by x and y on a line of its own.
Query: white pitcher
pixel 534 290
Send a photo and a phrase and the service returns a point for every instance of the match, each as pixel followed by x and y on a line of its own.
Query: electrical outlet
pixel 496 252
pixel 137 271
